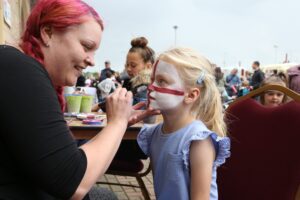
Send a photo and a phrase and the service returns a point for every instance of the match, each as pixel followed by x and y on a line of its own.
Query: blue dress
pixel 169 154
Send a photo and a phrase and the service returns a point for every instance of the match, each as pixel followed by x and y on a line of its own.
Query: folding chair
pixel 265 150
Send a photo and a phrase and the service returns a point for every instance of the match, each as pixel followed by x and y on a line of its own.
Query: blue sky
pixel 228 32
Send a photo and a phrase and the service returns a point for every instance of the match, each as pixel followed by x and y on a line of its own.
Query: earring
pixel 47 45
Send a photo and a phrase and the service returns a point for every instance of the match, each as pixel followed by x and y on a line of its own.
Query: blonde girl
pixel 186 149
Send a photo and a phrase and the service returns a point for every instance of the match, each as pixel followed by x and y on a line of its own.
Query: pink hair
pixel 58 14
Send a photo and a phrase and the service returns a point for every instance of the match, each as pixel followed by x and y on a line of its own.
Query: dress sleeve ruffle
pixel 222 147
pixel 144 139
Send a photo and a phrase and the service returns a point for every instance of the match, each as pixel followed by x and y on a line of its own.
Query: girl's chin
pixel 273 105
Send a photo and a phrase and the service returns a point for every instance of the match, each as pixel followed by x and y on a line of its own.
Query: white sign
pixel 7 13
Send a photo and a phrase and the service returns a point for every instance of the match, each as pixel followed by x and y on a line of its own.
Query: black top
pixel 257 78
pixel 38 156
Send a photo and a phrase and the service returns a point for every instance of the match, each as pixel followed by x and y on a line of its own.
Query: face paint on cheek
pixel 164 101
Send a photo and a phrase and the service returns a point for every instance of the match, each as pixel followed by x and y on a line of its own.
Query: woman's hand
pixel 118 106
pixel 138 115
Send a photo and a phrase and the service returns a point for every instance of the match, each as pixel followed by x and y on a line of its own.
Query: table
pixel 83 131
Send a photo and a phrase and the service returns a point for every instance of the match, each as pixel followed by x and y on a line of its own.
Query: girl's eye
pixel 161 81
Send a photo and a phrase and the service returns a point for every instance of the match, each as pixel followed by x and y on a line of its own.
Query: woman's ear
pixel 192 96
pixel 46 34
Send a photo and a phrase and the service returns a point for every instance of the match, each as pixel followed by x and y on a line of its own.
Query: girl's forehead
pixel 163 67
pixel 274 92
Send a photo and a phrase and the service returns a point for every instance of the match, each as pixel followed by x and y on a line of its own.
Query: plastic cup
pixel 86 104
pixel 73 103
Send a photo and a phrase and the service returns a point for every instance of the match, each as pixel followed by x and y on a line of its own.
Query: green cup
pixel 86 104
pixel 73 103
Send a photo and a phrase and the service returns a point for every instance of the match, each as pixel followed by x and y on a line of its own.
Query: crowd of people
pixel 230 87
pixel 41 159
pixel 233 86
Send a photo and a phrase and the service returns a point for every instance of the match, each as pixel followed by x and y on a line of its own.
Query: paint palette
pixel 92 121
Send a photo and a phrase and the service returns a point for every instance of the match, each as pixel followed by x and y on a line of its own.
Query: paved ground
pixel 124 192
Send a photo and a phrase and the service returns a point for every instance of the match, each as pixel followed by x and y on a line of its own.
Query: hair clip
pixel 201 78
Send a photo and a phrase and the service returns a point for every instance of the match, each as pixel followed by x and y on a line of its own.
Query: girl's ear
pixel 46 34
pixel 192 96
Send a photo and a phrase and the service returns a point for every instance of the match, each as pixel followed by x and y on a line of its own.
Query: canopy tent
pixel 279 67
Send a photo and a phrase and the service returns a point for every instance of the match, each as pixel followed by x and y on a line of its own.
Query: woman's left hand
pixel 138 115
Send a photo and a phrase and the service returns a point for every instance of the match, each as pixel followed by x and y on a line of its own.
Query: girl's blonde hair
pixel 191 66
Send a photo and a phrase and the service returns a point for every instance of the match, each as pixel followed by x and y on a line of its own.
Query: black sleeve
pixel 36 135
pixel 256 85
pixel 259 78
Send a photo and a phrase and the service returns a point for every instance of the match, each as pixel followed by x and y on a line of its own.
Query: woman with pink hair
pixel 39 157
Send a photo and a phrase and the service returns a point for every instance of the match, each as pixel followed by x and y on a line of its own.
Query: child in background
pixel 274 98
pixel 106 86
pixel 244 89
pixel 186 149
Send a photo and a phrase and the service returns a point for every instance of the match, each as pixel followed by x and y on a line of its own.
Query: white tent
pixel 268 69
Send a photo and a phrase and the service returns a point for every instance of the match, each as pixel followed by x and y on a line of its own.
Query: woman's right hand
pixel 118 106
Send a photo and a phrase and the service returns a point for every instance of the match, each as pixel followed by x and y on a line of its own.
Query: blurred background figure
pixel 88 82
pixel 106 86
pixel 221 84
pixel 244 89
pixel 257 77
pixel 80 81
pixel 294 78
pixel 232 83
pixel 274 98
pixel 103 71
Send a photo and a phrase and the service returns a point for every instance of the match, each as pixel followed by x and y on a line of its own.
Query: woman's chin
pixel 71 82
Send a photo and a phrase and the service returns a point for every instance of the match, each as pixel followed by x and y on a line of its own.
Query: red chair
pixel 265 150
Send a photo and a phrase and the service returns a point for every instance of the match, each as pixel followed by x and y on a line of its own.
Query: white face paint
pixel 168 91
